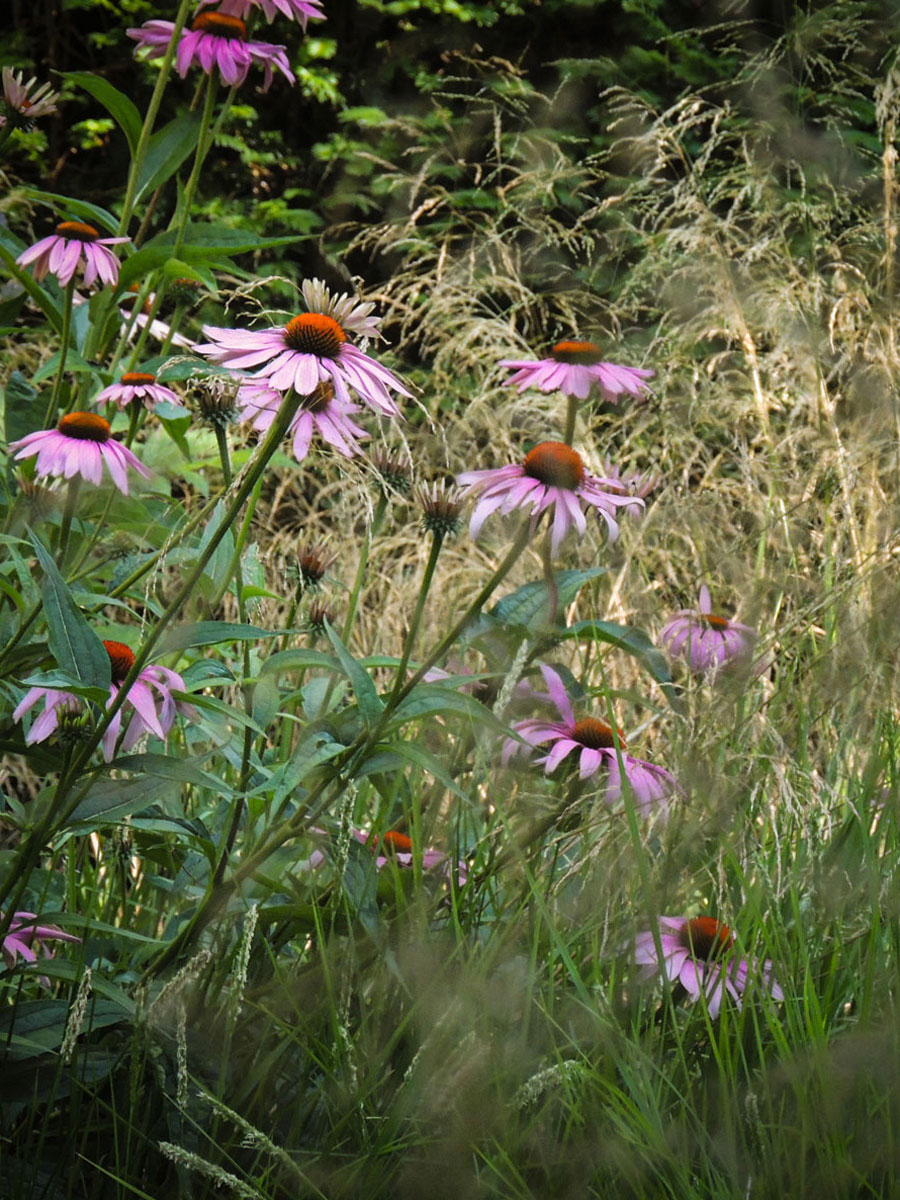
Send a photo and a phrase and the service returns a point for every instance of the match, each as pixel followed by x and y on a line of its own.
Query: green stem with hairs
pixel 150 118
pixel 59 810
pixel 437 543
pixel 571 415
pixel 66 525
pixel 362 566
pixel 53 406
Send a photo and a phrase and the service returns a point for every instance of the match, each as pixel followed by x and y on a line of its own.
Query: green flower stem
pixel 66 525
pixel 95 340
pixel 437 543
pixel 224 456
pixel 550 579
pixel 59 810
pixel 473 610
pixel 134 421
pixel 143 145
pixel 571 414
pixel 237 809
pixel 362 567
pixel 53 406
pixel 240 542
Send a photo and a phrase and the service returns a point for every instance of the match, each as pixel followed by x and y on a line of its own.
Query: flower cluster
pixel 81 444
pixel 74 246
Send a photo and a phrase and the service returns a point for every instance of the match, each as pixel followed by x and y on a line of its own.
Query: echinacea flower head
pixel 138 387
pixel 707 642
pixel 149 697
pixel 26 935
pixel 397 848
pixel 632 484
pixel 576 369
pixel 22 105
pixel 441 505
pixel 215 39
pixel 599 749
pixel 320 412
pixel 552 476
pixel 698 957
pixel 74 245
pixel 81 444
pixel 149 706
pixel 294 10
pixel 312 348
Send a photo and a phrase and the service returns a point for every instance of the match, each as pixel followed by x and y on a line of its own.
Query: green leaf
pixel 10 249
pixel 168 766
pixel 202 244
pixel 528 606
pixel 371 706
pixel 73 643
pixel 32 1027
pixel 400 755
pixel 298 660
pixel 168 149
pixel 74 362
pixel 112 799
pixel 92 213
pixel 430 698
pixel 211 633
pixel 633 641
pixel 116 103
pixel 20 414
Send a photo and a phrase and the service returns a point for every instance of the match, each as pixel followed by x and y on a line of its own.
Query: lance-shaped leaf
pixel 634 642
pixel 74 645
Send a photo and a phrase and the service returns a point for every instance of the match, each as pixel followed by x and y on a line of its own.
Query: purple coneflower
pixel 553 474
pixel 633 484
pixel 312 348
pixel 595 743
pixel 25 937
pixel 75 244
pixel 707 642
pixel 698 958
pixel 149 697
pixel 294 10
pixel 138 386
pixel 320 411
pixel 215 39
pixel 80 444
pixel 22 109
pixel 397 848
pixel 575 368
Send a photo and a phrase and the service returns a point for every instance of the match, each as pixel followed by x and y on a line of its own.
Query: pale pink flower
pixel 321 411
pixel 595 744
pixel 81 444
pixel 74 245
pixel 552 476
pixel 26 936
pixel 153 707
pixel 22 108
pixel 215 39
pixel 138 386
pixel 707 642
pixel 312 348
pixel 160 331
pixel 575 369
pixel 632 484
pixel 294 10
pixel 698 957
